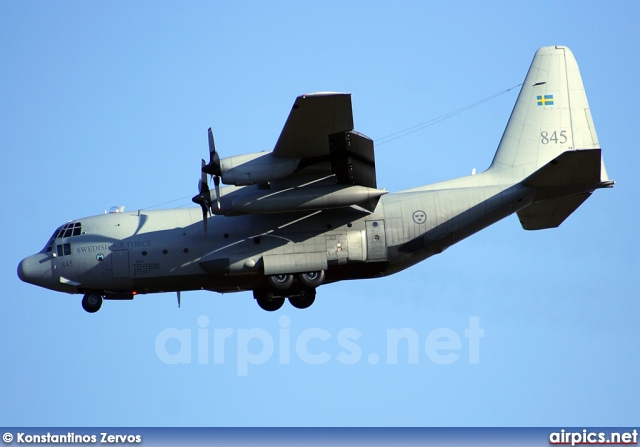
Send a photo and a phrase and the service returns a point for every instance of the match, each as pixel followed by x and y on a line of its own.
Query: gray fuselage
pixel 166 250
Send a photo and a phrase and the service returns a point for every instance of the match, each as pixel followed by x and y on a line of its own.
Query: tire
pixel 280 282
pixel 267 302
pixel 91 302
pixel 311 279
pixel 304 300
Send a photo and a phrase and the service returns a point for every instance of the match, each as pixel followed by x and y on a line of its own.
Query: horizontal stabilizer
pixel 572 172
pixel 562 185
pixel 550 213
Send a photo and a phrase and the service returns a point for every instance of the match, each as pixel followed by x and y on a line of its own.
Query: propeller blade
pixel 216 183
pixel 212 144
pixel 205 216
pixel 213 167
pixel 178 299
pixel 203 198
pixel 203 177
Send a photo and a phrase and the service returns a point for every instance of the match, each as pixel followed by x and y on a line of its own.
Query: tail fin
pixel 550 143
pixel 551 116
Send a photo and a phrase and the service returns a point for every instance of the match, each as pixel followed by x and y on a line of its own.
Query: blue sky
pixel 108 103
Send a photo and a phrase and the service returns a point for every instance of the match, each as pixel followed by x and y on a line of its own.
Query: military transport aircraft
pixel 310 212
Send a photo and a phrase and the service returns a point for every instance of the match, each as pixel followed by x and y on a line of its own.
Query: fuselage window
pixel 60 252
pixel 67 249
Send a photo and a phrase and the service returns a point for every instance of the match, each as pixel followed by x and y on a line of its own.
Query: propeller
pixel 213 167
pixel 204 197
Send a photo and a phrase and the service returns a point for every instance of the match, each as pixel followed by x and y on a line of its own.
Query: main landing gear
pixel 301 294
pixel 91 302
pixel 303 300
pixel 271 301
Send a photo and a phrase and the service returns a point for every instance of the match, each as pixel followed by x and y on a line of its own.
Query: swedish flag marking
pixel 546 100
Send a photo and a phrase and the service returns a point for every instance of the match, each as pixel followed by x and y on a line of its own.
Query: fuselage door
pixel 120 263
pixel 376 241
pixel 337 248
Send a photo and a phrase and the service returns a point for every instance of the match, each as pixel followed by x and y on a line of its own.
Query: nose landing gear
pixel 91 302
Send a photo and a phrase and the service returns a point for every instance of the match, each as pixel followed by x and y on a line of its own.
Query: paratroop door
pixel 376 241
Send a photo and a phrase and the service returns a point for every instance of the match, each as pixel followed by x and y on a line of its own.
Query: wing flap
pixel 352 159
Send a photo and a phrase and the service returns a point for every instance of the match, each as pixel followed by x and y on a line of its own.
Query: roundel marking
pixel 419 217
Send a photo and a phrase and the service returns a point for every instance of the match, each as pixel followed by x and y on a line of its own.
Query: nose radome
pixel 32 268
pixel 22 270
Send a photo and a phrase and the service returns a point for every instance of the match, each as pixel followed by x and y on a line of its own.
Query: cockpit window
pixel 67 230
pixel 50 243
pixel 63 250
pixel 71 229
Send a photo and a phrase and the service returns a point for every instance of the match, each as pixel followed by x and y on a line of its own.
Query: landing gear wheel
pixel 311 279
pixel 304 300
pixel 91 302
pixel 267 301
pixel 280 282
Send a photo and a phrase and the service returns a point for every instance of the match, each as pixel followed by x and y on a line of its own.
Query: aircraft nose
pixel 34 269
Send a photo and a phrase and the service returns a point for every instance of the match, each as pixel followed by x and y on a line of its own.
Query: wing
pixel 319 132
pixel 318 162
pixel 312 119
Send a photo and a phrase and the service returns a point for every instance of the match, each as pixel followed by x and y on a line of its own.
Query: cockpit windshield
pixel 67 230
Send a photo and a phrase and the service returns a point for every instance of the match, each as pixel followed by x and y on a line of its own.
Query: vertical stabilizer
pixel 551 116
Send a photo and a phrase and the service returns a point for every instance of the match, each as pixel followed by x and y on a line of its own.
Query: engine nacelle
pixel 260 167
pixel 305 198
